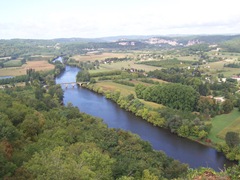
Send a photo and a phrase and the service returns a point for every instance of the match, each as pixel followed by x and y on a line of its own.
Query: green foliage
pixel 107 73
pixel 199 48
pixel 62 143
pixel 25 47
pixel 232 153
pixel 234 172
pixel 206 173
pixel 148 176
pixel 7 167
pixel 83 76
pixel 208 106
pixel 59 67
pixel 176 96
pixel 149 81
pixel 232 139
pixel 231 45
pixel 56 92
pixel 227 106
pixel 7 130
pixel 59 163
pixel 184 76
pixel 139 88
pixel 168 63
pixel 232 65
pixel 13 63
pixel 127 83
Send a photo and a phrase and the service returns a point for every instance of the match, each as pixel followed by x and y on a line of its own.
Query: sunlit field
pixel 16 71
pixel 224 123
pixel 102 56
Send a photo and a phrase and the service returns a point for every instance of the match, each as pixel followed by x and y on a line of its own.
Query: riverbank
pixel 115 116
pixel 152 117
pixel 107 94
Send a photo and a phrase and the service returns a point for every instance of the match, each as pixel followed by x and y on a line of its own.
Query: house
pixel 222 80
pixel 236 78
pixel 219 99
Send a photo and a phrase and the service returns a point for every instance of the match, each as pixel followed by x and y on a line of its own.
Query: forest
pixel 41 139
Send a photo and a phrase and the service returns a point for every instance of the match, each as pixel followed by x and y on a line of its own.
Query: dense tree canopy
pixel 39 139
pixel 83 76
pixel 176 96
pixel 232 139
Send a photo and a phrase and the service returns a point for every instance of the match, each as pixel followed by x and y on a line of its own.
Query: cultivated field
pixel 127 65
pixel 13 63
pixel 187 58
pixel 39 65
pixel 93 57
pixel 218 68
pixel 16 71
pixel 111 86
pixel 224 123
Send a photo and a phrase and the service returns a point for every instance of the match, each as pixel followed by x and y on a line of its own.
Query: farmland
pixel 223 124
pixel 99 56
pixel 128 64
pixel 16 71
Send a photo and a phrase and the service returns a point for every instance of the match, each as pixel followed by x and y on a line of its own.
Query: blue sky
pixel 47 19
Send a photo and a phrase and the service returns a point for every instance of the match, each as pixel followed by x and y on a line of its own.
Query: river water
pixel 5 77
pixel 182 149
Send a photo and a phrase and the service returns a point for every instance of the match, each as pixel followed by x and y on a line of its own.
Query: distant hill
pixel 103 39
pixel 229 43
pixel 156 39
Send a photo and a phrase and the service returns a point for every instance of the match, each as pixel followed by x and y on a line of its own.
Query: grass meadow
pixel 224 123
pixel 13 63
pixel 93 57
pixel 127 65
pixel 218 68
pixel 111 86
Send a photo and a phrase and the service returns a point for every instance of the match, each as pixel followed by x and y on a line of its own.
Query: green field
pixel 127 65
pixel 100 56
pixel 187 58
pixel 218 68
pixel 13 63
pixel 224 123
pixel 111 86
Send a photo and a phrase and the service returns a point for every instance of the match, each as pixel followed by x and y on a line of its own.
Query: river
pixel 182 149
pixel 5 77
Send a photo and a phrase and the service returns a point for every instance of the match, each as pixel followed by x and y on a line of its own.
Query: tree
pixel 83 76
pixel 39 93
pixel 148 176
pixel 207 106
pixel 59 163
pixel 56 164
pixel 31 126
pixel 7 130
pixel 139 88
pixel 173 95
pixel 227 106
pixel 232 139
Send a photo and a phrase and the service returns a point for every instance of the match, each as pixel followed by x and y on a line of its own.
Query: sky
pixel 48 19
